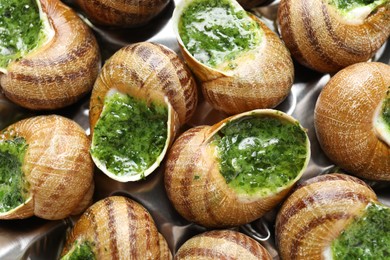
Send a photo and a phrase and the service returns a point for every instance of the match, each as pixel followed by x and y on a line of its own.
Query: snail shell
pixel 128 13
pixel 118 228
pixel 345 120
pixel 262 79
pixel 317 211
pixel 222 244
pixel 148 71
pixel 61 71
pixel 322 39
pixel 56 165
pixel 198 190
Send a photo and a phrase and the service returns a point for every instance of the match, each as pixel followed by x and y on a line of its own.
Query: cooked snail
pixel 333 216
pixel 55 60
pixel 235 171
pixel 222 244
pixel 328 35
pixel 119 13
pixel 352 120
pixel 241 64
pixel 115 228
pixel 46 169
pixel 143 94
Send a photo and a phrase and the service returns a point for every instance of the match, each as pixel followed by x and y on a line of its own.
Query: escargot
pixel 45 168
pixel 333 216
pixel 142 96
pixel 328 35
pixel 222 244
pixel 115 228
pixel 352 120
pixel 49 58
pixel 235 171
pixel 122 13
pixel 242 65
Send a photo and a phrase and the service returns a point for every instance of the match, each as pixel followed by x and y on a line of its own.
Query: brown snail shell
pixel 321 39
pixel 317 211
pixel 345 116
pixel 148 71
pixel 222 244
pixel 128 13
pixel 262 79
pixel 118 228
pixel 56 165
pixel 198 190
pixel 62 70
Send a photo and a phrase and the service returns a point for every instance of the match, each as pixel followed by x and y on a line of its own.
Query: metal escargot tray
pixel 35 238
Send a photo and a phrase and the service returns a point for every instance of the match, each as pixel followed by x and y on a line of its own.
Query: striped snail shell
pixel 222 244
pixel 350 120
pixel 260 77
pixel 57 171
pixel 129 13
pixel 148 72
pixel 59 72
pixel 326 38
pixel 316 213
pixel 116 228
pixel 200 190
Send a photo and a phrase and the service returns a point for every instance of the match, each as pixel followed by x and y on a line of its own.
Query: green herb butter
pixel 81 251
pixel 367 237
pixel 21 29
pixel 356 8
pixel 260 154
pixel 385 113
pixel 13 186
pixel 215 31
pixel 129 135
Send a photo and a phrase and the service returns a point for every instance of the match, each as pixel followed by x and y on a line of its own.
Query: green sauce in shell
pixel 260 154
pixel 81 251
pixel 215 31
pixel 21 29
pixel 367 237
pixel 130 134
pixel 346 6
pixel 13 186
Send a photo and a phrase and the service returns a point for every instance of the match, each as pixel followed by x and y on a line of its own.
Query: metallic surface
pixel 35 238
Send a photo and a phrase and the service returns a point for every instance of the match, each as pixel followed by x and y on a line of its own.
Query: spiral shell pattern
pixel 122 13
pixel 262 79
pixel 60 72
pixel 319 38
pixel 143 67
pixel 344 120
pixel 222 244
pixel 119 228
pixel 317 211
pixel 57 166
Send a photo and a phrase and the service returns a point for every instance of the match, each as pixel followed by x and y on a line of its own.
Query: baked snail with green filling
pixel 115 228
pixel 235 171
pixel 328 35
pixel 142 96
pixel 45 169
pixel 222 244
pixel 333 216
pixel 48 57
pixel 352 120
pixel 241 64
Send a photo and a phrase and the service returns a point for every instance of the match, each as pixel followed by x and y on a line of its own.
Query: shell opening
pixel 13 185
pixel 260 155
pixel 131 137
pixel 80 250
pixel 382 120
pixel 24 27
pixel 216 33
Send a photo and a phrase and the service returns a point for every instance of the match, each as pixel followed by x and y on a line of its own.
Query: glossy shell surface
pixel 345 116
pixel 60 72
pixel 56 165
